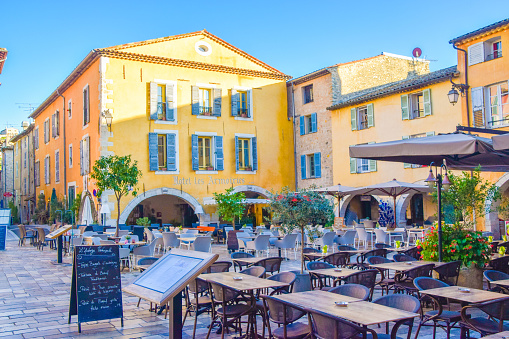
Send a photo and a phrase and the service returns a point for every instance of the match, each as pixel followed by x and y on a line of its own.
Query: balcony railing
pixel 498 123
pixel 242 111
pixel 494 55
pixel 205 110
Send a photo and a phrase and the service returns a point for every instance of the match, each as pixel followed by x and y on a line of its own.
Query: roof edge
pixel 499 25
pixel 23 133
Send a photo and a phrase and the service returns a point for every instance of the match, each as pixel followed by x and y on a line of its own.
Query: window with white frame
pixel 47 176
pixel 311 166
pixel 308 124
pixel 36 137
pixel 86 105
pixel 55 124
pixel 57 166
pixel 358 165
pixel 163 95
pixel 206 100
pixel 241 99
pixel 207 152
pixel 362 117
pixel 70 155
pixel 85 156
pixel 46 131
pixel 497 105
pixel 485 51
pixel 416 105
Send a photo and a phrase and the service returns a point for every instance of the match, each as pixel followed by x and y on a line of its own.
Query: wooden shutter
pixel 314 123
pixel 371 117
pixel 248 103
pixel 303 166
pixel 236 153
pixel 318 165
pixel 372 163
pixel 170 109
pixel 404 107
pixel 153 101
pixel 218 141
pixel 57 123
pixel 254 145
pixel 153 152
pixel 406 165
pixel 195 103
pixel 194 152
pixel 477 95
pixel 53 125
pixel 57 166
pixel 87 158
pixel 36 138
pixel 302 125
pixel 476 53
pixel 235 103
pixel 353 165
pixel 49 169
pixel 216 110
pixel 426 96
pixel 82 165
pixel 353 117
pixel 171 152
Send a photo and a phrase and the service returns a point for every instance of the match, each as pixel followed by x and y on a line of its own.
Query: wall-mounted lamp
pixel 453 93
pixel 108 118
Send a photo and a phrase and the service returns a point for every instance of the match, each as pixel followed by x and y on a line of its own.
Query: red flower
pixel 453 250
pixel 294 199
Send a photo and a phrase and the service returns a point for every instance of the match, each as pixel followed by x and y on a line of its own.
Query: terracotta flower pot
pixel 471 277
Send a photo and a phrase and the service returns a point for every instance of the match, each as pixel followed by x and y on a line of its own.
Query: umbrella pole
pixel 439 228
pixel 395 224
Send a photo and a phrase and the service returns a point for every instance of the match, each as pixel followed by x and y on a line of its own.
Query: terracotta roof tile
pixel 486 29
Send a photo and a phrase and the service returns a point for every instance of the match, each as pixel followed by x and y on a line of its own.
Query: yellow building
pixel 198 114
pixel 484 66
pixel 410 108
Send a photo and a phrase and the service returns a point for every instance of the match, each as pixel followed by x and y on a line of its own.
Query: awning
pixel 212 201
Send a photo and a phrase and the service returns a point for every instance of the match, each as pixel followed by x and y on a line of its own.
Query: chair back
pixel 381 236
pixel 123 252
pixel 375 260
pixel 449 272
pixel 96 241
pixel 419 271
pixel 492 275
pixel 346 248
pixel 348 238
pixel 202 244
pixel 289 241
pixel 318 265
pixel 403 302
pixel 501 264
pixel 380 245
pixel 198 286
pixel 149 234
pixel 328 239
pixel 310 250
pixel 362 234
pixel 339 259
pixel 352 290
pixel 89 234
pixel 366 278
pixel 76 241
pixel 412 252
pixel 147 260
pixel 324 325
pixel 376 252
pixel 170 239
pixel 272 264
pixel 368 223
pixel 284 277
pixel 240 255
pixel 261 242
pixel 497 309
pixel 427 283
pixel 403 257
pixel 123 232
pixel 255 271
pixel 281 312
pixel 219 267
pixel 223 294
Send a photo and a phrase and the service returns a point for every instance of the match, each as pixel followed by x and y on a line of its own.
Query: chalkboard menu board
pixel 96 285
pixel 3 234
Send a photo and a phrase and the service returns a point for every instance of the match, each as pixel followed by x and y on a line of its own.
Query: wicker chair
pixel 352 290
pixel 492 275
pixel 323 325
pixel 381 245
pixel 271 265
pixel 385 281
pixel 255 271
pixel 285 314
pixel 366 278
pixel 316 280
pixel 361 259
pixel 449 272
pixel 25 234
pixel 219 266
pixel 500 264
pixel 339 259
pixel 413 252
pixel 403 281
pixel 346 248
pixel 402 302
pixel 496 310
pixel 200 303
pixel 438 315
pixel 403 257
pixel 240 255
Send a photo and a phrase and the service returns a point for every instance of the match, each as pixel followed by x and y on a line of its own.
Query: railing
pixel 161 110
pixel 418 113
pixel 494 55
pixel 498 123
pixel 205 110
pixel 242 111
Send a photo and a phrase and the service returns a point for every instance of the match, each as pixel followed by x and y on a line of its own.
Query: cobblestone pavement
pixel 34 302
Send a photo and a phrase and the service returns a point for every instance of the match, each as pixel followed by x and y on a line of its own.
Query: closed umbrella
pixel 501 142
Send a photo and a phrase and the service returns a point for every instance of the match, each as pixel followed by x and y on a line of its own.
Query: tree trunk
pixel 118 216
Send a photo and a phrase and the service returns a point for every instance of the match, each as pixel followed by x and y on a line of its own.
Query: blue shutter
pixel 170 114
pixel 302 126
pixel 195 103
pixel 248 103
pixel 152 151
pixel 194 152
pixel 318 166
pixel 303 166
pixel 236 153
pixel 235 103
pixel 254 145
pixel 314 126
pixel 218 140
pixel 216 109
pixel 171 152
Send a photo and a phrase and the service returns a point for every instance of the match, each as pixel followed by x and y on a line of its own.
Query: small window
pixel 243 109
pixel 161 102
pixel 204 153
pixel 416 105
pixel 203 48
pixel 205 101
pixel 86 106
pixel 70 156
pixel 69 109
pixel 310 159
pixel 244 147
pixel 308 94
pixel 161 152
pixel 498 105
pixel 362 165
pixel 57 166
pixel 362 117
pixel 493 49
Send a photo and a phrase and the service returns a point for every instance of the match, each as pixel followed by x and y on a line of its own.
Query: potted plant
pixel 248 168
pixel 143 222
pixel 210 168
pixel 127 239
pixel 243 114
pixel 230 205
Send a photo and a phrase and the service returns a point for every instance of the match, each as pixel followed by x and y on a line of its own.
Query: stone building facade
pixel 311 94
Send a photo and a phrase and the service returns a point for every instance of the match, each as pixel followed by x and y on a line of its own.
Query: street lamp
pixel 108 117
pixel 453 94
pixel 441 180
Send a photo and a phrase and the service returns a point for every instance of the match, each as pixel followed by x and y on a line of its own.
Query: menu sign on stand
pixel 57 234
pixel 96 286
pixel 165 280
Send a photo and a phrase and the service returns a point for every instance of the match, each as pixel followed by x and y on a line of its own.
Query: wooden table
pixel 401 249
pixel 248 282
pixel 248 261
pixel 474 296
pixel 360 312
pixel 315 256
pixel 332 272
pixel 403 266
pixel 504 282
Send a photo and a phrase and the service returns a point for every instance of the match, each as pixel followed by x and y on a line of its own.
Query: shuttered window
pixel 477 95
pixel 86 105
pixel 36 137
pixel 85 156
pixel 46 131
pixel 476 53
pixel 163 101
pixel 362 117
pixel 307 94
pixel 206 101
pixel 47 174
pixel 497 105
pixel 311 166
pixel 37 173
pixel 163 152
pixel 246 155
pixel 57 166
pixel 358 165
pixel 416 105
pixel 207 153
pixel 308 124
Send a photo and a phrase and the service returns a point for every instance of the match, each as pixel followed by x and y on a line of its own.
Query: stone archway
pixel 491 223
pixel 86 195
pixel 252 188
pixel 160 191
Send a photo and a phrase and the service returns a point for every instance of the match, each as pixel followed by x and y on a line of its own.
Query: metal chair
pixel 449 272
pixel 352 290
pixel 324 325
pixel 239 255
pixel 438 315
pixel 497 312
pixel 366 278
pixel 285 314
pixel 402 302
pixel 255 271
pixel 403 257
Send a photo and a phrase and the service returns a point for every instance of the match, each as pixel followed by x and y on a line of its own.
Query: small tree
pixel 230 205
pixel 119 174
pixel 467 195
pixel 299 209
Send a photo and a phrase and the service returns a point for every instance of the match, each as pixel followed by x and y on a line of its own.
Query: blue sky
pixel 47 39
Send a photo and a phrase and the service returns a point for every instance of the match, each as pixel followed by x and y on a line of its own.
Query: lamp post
pixel 108 118
pixel 453 94
pixel 441 180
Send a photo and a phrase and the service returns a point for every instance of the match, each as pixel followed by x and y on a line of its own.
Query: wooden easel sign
pixel 96 292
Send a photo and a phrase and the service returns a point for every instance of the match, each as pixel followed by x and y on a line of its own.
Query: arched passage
pixel 252 188
pixel 255 213
pixel 189 199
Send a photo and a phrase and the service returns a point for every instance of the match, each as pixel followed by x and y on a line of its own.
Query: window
pixel 25 159
pixel 69 109
pixel 55 125
pixel 241 102
pixel 307 92
pixel 36 138
pixel 358 165
pixel 57 166
pixel 86 106
pixel 72 194
pixel 498 105
pixel 416 105
pixel 308 124
pixel 207 152
pixel 70 156
pixel 163 151
pixel 362 117
pixel 85 156
pixel 37 173
pixel 24 186
pixel 206 100
pixel 246 153
pixel 310 166
pixel 47 176
pixel 484 51
pixel 244 146
pixel 162 101
pixel 46 131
